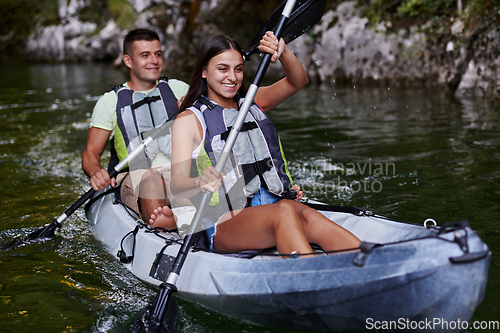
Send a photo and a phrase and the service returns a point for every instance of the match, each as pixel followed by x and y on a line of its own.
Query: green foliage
pixel 96 11
pixel 482 13
pixel 417 11
pixel 434 16
pixel 123 13
pixel 427 7
pixel 19 16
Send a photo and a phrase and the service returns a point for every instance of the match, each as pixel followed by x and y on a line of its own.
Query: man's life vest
pixel 137 113
pixel 257 158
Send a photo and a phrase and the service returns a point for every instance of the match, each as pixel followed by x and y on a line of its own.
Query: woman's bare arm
pixel 296 76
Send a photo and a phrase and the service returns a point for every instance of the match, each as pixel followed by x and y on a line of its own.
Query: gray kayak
pixel 406 276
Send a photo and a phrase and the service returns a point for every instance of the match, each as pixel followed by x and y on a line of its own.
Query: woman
pixel 270 220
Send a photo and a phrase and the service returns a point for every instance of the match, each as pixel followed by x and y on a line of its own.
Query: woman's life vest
pixel 257 158
pixel 138 113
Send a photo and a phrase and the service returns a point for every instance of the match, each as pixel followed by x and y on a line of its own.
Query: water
pixel 409 154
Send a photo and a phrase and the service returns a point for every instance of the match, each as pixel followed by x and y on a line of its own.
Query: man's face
pixel 145 64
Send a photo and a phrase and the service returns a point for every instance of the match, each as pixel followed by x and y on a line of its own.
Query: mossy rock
pixel 123 13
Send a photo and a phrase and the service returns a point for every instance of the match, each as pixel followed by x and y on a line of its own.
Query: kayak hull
pixel 410 282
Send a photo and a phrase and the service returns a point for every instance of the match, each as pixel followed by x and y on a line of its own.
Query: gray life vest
pixel 257 158
pixel 137 113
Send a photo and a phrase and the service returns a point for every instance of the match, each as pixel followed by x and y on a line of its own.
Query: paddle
pixel 49 230
pixel 306 14
pixel 161 314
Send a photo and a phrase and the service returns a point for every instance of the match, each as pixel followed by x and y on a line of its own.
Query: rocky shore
pixel 342 48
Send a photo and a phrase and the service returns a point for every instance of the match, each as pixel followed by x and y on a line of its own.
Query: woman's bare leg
pixel 262 227
pixel 288 225
pixel 322 231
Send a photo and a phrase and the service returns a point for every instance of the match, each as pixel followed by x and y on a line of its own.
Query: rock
pixel 140 5
pixel 457 27
pixel 471 81
pixel 70 8
pixel 75 28
pixel 348 50
pixel 108 45
pixel 47 44
pixel 74 41
pixel 482 75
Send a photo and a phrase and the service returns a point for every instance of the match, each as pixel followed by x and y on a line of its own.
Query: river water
pixel 405 153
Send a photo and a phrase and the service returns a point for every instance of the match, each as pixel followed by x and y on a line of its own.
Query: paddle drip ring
pixel 430 220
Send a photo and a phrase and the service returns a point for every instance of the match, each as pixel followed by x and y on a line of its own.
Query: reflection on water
pixel 408 154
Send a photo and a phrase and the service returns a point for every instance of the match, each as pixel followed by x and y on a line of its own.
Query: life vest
pixel 257 158
pixel 137 113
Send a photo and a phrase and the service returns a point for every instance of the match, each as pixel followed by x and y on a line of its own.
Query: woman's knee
pixel 286 214
pixel 308 215
pixel 285 207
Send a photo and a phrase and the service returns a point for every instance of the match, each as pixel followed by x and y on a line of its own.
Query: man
pixel 124 113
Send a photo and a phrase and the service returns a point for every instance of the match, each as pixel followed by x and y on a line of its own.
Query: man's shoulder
pixel 178 87
pixel 109 97
pixel 104 114
pixel 176 83
pixel 106 101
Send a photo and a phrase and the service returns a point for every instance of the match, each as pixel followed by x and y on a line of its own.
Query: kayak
pixel 405 276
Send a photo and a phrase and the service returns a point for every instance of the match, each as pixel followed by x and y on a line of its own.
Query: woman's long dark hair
pixel 212 47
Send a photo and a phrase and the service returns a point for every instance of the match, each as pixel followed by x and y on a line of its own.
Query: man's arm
pixel 91 159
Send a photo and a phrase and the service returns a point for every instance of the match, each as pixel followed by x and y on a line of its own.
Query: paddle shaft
pixel 169 286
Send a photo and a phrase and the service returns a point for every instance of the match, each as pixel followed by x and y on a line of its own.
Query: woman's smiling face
pixel 224 75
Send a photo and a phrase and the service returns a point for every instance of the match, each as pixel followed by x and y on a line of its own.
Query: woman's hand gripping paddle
pixel 161 315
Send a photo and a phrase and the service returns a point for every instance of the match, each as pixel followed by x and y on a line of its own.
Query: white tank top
pixel 198 114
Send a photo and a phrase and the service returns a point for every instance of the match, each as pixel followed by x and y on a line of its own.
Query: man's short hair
pixel 136 35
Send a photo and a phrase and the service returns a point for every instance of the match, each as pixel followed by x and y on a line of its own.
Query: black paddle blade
pixel 35 237
pixel 147 323
pixel 45 232
pixel 305 14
